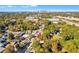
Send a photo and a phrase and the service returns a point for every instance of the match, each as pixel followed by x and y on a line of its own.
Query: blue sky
pixel 20 8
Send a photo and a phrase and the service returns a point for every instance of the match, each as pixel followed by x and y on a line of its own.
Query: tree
pixel 70 47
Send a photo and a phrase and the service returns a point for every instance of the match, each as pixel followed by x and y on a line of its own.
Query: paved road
pixel 23 50
pixel 69 22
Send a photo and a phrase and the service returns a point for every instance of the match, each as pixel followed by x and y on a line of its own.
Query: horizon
pixel 50 8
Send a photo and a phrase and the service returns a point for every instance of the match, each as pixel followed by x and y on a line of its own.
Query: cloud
pixel 10 6
pixel 28 6
pixel 33 5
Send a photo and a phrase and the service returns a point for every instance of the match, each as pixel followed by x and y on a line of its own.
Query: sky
pixel 22 8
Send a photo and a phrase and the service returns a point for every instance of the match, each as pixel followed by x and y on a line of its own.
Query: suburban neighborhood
pixel 39 32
